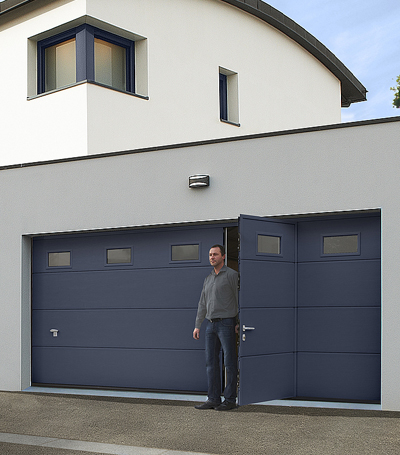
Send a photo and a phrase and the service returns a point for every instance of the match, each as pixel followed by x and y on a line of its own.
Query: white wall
pixel 48 127
pixel 348 168
pixel 280 85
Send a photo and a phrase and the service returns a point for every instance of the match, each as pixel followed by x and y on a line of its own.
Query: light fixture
pixel 199 181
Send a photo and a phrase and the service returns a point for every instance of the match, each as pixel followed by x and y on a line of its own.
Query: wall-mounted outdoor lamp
pixel 199 181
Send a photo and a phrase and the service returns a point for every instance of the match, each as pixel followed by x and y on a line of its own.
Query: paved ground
pixel 171 426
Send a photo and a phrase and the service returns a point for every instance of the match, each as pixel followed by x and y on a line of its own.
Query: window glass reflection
pixel 110 64
pixel 60 65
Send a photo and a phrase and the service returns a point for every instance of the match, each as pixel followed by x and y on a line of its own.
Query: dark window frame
pixel 343 254
pixel 57 267
pixel 187 261
pixel 223 97
pixel 269 234
pixel 85 65
pixel 118 264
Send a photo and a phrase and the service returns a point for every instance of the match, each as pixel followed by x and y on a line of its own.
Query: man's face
pixel 216 258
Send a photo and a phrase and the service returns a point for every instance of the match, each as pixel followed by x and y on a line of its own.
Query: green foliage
pixel 396 100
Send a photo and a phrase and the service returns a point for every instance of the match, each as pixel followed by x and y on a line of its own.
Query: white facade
pixel 180 46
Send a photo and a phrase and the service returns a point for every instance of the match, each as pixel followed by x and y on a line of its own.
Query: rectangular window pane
pixel 62 259
pixel 110 64
pixel 119 256
pixel 269 244
pixel 223 97
pixel 185 253
pixel 60 65
pixel 341 244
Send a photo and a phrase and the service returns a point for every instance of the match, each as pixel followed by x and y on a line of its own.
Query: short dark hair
pixel 221 248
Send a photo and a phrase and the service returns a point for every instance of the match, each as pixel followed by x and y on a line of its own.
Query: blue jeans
pixel 221 334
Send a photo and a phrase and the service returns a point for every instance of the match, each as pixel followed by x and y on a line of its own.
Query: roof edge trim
pixel 311 129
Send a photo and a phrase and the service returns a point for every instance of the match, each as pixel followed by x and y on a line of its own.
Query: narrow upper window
pixel 228 96
pixel 223 97
pixel 86 53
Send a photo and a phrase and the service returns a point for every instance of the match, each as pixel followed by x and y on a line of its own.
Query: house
pixel 135 172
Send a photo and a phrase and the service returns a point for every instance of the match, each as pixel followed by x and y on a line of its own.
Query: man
pixel 219 306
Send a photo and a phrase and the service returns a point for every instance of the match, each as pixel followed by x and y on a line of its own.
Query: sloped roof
pixel 352 89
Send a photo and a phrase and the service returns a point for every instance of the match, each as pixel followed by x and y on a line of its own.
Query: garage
pixel 116 309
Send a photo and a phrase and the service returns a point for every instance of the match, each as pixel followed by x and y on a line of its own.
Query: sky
pixel 365 36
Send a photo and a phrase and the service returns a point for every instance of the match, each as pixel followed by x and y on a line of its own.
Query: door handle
pixel 248 328
pixel 54 332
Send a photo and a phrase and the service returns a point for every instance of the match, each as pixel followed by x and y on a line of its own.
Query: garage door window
pixel 59 259
pixel 119 256
pixel 185 252
pixel 268 244
pixel 341 244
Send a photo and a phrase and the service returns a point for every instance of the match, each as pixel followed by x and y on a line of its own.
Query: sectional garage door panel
pixel 128 368
pixel 274 331
pixel 355 330
pixel 127 329
pixel 339 376
pixel 151 248
pixel 311 236
pixel 123 305
pixel 270 374
pixel 339 283
pixel 136 288
pixel 281 287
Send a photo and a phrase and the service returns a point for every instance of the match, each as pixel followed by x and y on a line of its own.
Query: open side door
pixel 267 309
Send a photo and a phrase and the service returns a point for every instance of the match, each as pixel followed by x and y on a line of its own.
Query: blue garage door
pixel 117 309
pixel 267 309
pixel 339 309
pixel 310 308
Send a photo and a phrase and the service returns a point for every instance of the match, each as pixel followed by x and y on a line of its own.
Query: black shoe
pixel 208 405
pixel 226 406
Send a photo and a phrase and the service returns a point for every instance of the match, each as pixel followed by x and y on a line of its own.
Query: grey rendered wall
pixel 347 168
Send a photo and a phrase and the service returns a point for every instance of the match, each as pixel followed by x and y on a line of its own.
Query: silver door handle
pixel 248 328
pixel 54 332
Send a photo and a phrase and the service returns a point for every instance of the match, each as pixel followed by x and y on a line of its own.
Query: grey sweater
pixel 219 297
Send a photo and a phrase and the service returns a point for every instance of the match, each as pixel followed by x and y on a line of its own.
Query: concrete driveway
pixel 71 424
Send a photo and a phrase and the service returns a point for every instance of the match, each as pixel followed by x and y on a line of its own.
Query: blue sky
pixel 365 36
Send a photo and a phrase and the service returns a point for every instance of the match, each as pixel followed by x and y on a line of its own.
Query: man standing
pixel 219 306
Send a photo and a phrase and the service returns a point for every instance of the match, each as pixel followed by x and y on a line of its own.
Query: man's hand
pixel 196 334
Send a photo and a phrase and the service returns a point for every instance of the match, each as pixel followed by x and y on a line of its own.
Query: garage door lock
pixel 54 332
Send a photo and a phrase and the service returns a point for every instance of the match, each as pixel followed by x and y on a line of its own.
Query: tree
pixel 396 100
